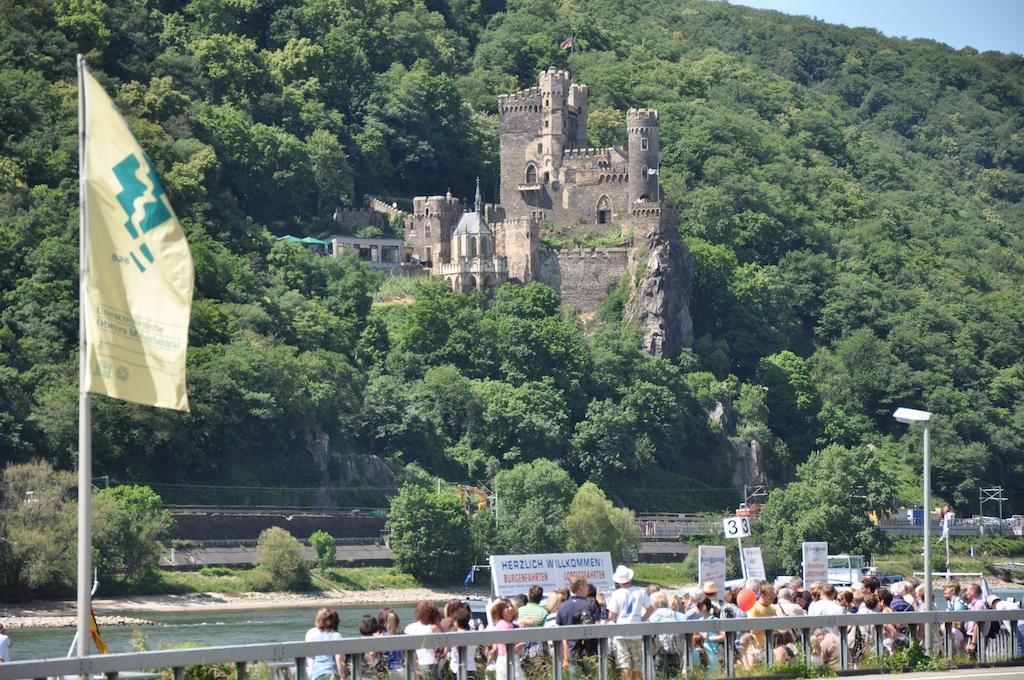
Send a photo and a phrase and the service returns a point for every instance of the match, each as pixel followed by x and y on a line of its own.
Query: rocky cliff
pixel 659 303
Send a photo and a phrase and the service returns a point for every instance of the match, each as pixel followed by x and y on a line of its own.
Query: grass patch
pixel 367 578
pixel 666 574
pixel 615 238
pixel 216 579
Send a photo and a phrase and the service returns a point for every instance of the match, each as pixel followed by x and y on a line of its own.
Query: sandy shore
pixel 61 613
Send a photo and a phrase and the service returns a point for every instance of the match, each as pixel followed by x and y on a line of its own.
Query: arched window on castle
pixel 604 210
pixel 472 246
pixel 531 174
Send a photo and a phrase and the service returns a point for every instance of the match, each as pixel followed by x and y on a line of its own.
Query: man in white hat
pixel 628 604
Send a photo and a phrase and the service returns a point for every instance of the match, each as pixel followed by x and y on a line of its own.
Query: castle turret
pixel 554 134
pixel 643 128
pixel 577 111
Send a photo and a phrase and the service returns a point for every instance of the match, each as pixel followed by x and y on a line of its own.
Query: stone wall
pixel 212 526
pixel 583 278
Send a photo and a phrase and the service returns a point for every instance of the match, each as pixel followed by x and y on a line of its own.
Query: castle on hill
pixel 552 183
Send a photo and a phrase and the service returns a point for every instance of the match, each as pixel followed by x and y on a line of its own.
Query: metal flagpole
pixel 84 406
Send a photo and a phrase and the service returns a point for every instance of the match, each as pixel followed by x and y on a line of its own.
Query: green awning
pixel 295 239
pixel 309 240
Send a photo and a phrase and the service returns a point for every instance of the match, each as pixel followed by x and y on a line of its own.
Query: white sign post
pixel 737 527
pixel 711 565
pixel 754 563
pixel 512 574
pixel 815 562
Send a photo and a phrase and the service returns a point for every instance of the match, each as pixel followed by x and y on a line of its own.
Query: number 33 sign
pixel 736 527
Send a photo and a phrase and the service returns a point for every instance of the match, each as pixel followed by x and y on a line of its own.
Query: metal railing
pixel 112 665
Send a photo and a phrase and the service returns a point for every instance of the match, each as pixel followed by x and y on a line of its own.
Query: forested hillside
pixel 852 204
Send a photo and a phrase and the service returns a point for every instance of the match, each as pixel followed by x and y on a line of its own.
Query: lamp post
pixel 908 416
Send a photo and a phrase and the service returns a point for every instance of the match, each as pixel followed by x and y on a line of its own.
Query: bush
pixel 215 571
pixel 325 546
pixel 284 558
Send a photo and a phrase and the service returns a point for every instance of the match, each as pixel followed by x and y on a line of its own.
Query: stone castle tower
pixel 556 189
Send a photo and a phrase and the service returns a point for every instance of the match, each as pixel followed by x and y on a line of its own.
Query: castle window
pixel 426 231
pixel 427 212
pixel 547 123
pixel 531 174
pixel 643 143
pixel 428 256
pixel 540 148
pixel 604 210
pixel 472 247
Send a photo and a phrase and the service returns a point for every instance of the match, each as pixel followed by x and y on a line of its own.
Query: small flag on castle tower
pixel 567 43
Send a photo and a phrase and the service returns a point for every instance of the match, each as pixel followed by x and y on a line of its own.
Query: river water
pixel 203 628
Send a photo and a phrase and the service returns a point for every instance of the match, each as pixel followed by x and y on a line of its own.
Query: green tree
pixel 282 556
pixel 331 171
pixel 829 501
pixel 532 500
pixel 325 548
pixel 429 534
pixel 130 524
pixel 595 524
pixel 38 527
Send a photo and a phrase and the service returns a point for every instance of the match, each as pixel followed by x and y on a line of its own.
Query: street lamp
pixel 908 416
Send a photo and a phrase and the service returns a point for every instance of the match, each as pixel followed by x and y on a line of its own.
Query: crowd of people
pixel 580 604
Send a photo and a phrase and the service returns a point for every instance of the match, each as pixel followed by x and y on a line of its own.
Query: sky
pixel 982 24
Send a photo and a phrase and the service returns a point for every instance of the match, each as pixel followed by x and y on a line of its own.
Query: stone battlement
pixel 524 100
pixel 579 252
pixel 374 203
pixel 645 209
pixel 557 72
pixel 587 152
pixel 642 116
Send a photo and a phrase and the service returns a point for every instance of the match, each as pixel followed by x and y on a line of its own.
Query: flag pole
pixel 84 406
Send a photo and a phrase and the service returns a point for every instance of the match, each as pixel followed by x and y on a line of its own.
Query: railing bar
pixel 806 633
pixel 769 648
pixel 557 658
pixel 687 661
pixel 357 667
pixel 510 661
pixel 645 644
pixel 602 659
pixel 844 651
pixel 289 651
pixel 462 671
pixel 730 654
pixel 300 668
pixel 410 664
pixel 241 670
pixel 879 648
pixel 947 642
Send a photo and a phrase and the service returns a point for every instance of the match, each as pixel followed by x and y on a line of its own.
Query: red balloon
pixel 746 599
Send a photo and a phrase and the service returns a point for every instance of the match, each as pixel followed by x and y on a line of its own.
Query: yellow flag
pixel 139 276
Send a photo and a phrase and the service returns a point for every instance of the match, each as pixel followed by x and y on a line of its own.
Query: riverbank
pixel 110 611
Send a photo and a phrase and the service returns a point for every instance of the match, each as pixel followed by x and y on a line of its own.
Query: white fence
pixel 113 665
